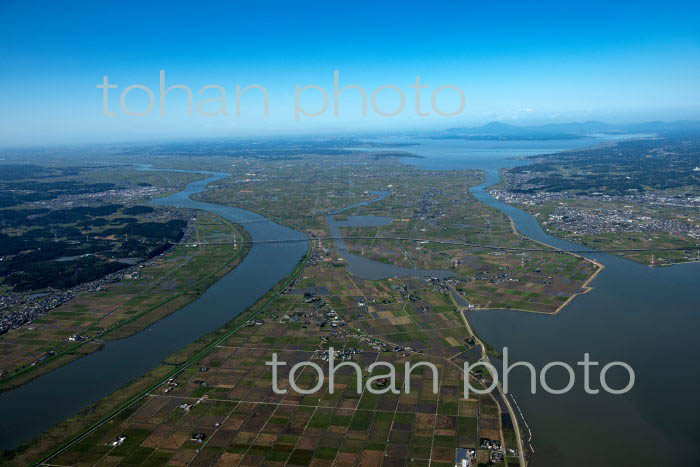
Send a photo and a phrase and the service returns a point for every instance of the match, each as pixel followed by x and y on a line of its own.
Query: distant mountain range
pixel 574 130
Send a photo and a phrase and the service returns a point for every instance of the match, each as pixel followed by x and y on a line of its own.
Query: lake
pixel 647 317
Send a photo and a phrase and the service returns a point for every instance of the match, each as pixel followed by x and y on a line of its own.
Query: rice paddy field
pixel 226 400
pixel 219 408
pixel 152 292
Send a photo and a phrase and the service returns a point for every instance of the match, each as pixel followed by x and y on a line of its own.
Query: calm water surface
pixel 364 267
pixel 47 400
pixel 647 317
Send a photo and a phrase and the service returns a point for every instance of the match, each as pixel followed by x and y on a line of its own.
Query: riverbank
pixel 122 402
pixel 294 324
pixel 631 307
pixel 586 285
pixel 51 398
pixel 175 279
pixel 599 323
pixel 484 355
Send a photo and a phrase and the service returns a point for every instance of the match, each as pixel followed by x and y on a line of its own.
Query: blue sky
pixel 519 62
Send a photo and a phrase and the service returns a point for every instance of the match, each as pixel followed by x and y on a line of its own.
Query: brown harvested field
pixel 117 310
pixel 246 423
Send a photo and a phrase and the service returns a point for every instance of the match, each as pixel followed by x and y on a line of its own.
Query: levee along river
pixel 647 317
pixel 49 399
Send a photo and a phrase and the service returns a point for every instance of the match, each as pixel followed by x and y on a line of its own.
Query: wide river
pixel 45 401
pixel 647 317
pixel 644 316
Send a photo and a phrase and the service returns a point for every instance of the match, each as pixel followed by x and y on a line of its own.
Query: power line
pixel 452 242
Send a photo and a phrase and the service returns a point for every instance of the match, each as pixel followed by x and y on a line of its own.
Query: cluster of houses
pixel 491 444
pixel 169 385
pixel 314 259
pixel 254 322
pixel 321 316
pixel 127 194
pixel 342 355
pixel 596 221
pixel 25 308
pixel 118 441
